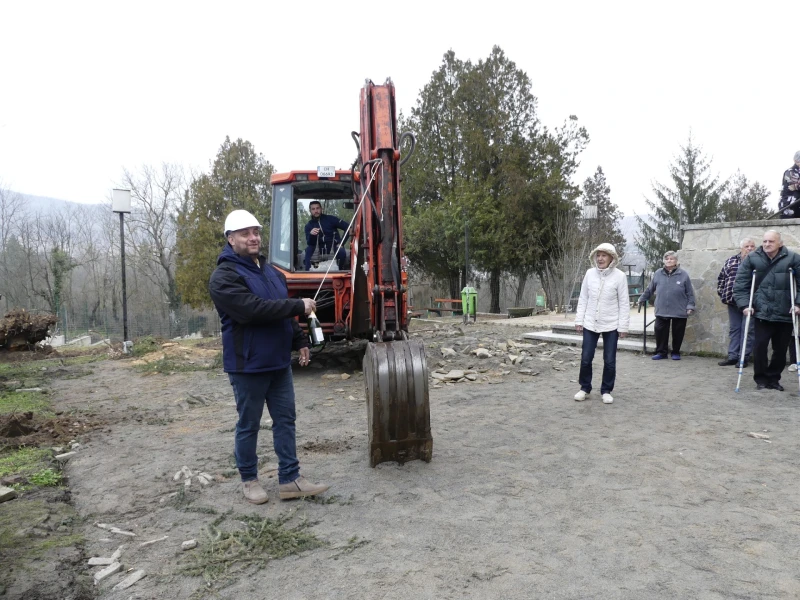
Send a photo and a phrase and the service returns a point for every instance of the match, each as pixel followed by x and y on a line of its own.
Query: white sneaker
pixel 793 367
pixel 581 396
pixel 608 399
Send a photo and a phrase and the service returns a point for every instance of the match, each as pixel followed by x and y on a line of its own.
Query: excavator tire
pixel 398 405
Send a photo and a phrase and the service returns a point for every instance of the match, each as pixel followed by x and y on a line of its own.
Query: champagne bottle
pixel 315 334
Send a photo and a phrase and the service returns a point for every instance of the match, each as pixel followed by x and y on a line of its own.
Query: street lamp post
pixel 121 203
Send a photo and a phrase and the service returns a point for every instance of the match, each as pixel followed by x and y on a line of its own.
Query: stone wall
pixel 705 249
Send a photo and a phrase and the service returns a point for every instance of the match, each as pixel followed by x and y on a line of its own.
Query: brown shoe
pixel 253 492
pixel 300 488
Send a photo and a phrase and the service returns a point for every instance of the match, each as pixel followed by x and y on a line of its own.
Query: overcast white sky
pixel 89 88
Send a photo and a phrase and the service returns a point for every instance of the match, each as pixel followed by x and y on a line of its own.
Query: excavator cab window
pixel 280 240
pixel 323 252
pixel 291 212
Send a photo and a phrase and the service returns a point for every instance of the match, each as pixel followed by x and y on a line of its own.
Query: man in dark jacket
pixel 259 332
pixel 322 234
pixel 772 305
pixel 725 281
pixel 790 190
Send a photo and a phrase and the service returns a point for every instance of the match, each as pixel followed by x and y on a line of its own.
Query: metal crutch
pixel 746 329
pixel 794 328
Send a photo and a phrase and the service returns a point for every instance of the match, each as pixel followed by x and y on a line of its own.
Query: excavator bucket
pixel 398 406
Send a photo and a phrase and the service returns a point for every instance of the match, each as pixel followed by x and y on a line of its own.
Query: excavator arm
pixel 395 369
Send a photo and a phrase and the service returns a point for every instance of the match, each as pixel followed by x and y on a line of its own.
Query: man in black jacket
pixel 772 305
pixel 322 234
pixel 259 332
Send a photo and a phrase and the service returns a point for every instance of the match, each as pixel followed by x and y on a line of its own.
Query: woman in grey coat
pixel 674 303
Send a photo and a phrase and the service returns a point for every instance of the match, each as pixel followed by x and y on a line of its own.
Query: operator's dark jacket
pixel 259 330
pixel 771 299
pixel 329 226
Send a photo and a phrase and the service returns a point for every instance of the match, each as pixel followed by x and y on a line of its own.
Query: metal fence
pixel 81 320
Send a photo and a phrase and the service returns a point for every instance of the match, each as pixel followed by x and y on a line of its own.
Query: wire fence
pixel 107 324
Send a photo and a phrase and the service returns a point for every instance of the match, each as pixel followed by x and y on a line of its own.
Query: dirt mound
pixel 30 429
pixel 19 329
pixel 179 353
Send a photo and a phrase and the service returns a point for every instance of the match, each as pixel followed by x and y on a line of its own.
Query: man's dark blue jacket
pixel 259 330
pixel 329 226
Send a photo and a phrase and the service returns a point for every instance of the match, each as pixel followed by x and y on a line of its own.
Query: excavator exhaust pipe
pixel 398 405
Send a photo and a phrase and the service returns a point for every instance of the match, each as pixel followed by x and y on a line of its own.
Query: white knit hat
pixel 608 249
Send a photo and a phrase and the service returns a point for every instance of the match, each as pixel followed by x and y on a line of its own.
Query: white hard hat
pixel 240 219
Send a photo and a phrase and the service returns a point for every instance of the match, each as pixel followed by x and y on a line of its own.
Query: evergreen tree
pixel 482 156
pixel 743 201
pixel 605 226
pixel 693 198
pixel 239 179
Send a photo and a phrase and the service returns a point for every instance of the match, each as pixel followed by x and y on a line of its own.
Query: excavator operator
pixel 323 236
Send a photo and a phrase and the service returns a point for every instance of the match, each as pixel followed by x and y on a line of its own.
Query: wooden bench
pixel 439 309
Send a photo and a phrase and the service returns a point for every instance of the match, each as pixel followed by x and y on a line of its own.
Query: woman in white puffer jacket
pixel 603 309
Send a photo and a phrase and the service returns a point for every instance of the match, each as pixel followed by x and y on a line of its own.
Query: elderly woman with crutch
pixel 674 303
pixel 603 310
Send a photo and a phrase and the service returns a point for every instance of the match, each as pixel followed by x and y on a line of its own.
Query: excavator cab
pixel 292 217
pixel 319 270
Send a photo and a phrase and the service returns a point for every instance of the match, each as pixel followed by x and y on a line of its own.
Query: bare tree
pixel 156 195
pixel 565 263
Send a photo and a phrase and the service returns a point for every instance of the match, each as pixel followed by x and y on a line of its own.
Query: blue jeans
pixel 590 338
pixel 736 320
pixel 251 391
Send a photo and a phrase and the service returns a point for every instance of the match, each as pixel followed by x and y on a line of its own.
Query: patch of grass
pixel 145 345
pixel 332 499
pixel 206 510
pixel 32 373
pixel 168 366
pixel 352 544
pixel 25 461
pixel 223 554
pixel 47 478
pixel 63 541
pixel 22 402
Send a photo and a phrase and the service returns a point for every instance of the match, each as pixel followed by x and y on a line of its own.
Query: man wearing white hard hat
pixel 603 310
pixel 259 332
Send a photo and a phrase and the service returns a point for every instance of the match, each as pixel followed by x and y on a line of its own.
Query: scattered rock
pixel 189 544
pixel 528 372
pixel 7 493
pixel 447 352
pixel 130 580
pixel 758 436
pixel 345 375
pixel 454 375
pixel 109 570
pixel 97 561
pixel 114 529
pixel 151 542
pixel 482 353
pixel 65 457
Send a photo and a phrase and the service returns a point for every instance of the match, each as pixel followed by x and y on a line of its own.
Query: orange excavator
pixel 326 220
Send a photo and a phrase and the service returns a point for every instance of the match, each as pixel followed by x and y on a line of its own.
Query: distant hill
pixel 45 205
